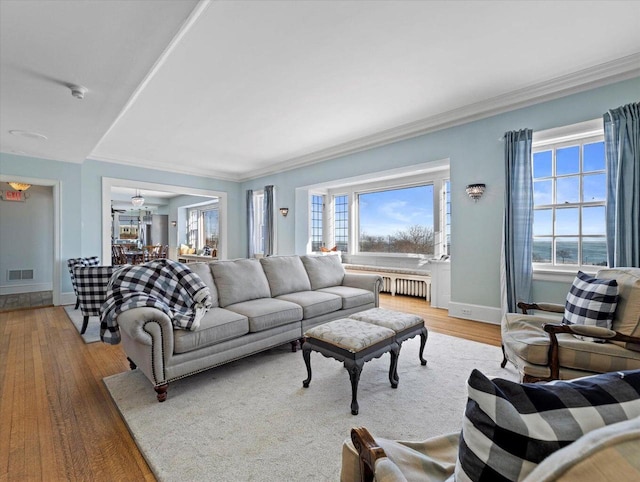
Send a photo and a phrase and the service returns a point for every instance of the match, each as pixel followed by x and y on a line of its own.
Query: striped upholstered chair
pixel 92 284
pixel 72 262
pixel 543 348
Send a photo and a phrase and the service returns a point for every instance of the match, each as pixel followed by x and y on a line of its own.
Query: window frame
pixel 580 134
pixel 195 215
pixel 436 177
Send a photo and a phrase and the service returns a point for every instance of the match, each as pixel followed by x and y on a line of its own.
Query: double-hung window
pixel 569 192
pixel 341 222
pixel 203 226
pixel 317 211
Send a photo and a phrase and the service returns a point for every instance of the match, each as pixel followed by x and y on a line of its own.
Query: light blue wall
pixel 476 155
pixel 81 200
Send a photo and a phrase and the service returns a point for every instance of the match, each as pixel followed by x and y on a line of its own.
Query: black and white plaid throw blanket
pixel 163 284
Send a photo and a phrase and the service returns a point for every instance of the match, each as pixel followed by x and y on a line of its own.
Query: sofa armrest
pixel 551 307
pixel 370 282
pixel 135 323
pixel 592 331
pixel 368 451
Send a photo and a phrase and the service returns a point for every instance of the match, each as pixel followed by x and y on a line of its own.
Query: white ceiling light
pixel 137 200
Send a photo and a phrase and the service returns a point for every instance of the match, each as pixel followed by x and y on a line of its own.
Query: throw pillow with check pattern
pixel 591 302
pixel 509 428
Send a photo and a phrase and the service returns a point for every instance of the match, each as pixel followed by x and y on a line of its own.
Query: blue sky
pixel 386 212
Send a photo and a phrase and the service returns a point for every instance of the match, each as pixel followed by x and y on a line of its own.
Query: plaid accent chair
pixel 585 430
pixel 92 284
pixel 591 333
pixel 72 262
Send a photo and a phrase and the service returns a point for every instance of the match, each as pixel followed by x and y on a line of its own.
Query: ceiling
pixel 234 90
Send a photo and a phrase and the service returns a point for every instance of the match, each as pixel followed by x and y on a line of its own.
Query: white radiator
pixel 412 288
pixel 409 287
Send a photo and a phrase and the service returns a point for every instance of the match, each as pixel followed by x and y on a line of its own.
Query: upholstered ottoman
pixel 404 325
pixel 353 342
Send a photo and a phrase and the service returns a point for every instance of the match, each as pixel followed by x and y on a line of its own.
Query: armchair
pixel 543 348
pixel 92 284
pixel 71 263
pixel 518 432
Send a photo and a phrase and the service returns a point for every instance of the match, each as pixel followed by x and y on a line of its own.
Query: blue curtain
pixel 269 230
pixel 517 244
pixel 622 150
pixel 251 249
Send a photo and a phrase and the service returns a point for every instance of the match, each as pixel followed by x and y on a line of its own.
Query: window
pixel 258 222
pixel 569 197
pixel 317 209
pixel 341 222
pixel 397 220
pixel 203 227
pixel 445 222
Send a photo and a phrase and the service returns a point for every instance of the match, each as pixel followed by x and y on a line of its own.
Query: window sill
pixel 560 276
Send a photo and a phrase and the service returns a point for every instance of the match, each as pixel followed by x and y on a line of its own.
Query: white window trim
pixel 559 135
pixel 436 178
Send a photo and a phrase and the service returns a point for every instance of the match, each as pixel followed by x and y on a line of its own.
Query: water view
pixel 594 253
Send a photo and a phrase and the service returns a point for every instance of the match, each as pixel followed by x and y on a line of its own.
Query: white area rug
pixel 93 328
pixel 252 419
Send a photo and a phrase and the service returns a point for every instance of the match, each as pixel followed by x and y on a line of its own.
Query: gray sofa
pixel 257 305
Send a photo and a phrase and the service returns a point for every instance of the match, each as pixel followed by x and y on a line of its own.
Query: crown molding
pixel 603 74
pixel 169 167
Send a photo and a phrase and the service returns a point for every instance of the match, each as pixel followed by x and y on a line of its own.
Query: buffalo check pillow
pixel 509 428
pixel 591 301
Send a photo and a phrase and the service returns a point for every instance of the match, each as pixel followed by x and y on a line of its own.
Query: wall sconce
pixel 475 191
pixel 284 211
pixel 174 223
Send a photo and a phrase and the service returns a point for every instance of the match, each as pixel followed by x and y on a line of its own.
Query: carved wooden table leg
pixel 393 366
pixel 354 369
pixel 306 354
pixel 423 341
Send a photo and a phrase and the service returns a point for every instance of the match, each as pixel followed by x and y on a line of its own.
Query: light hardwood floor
pixel 57 420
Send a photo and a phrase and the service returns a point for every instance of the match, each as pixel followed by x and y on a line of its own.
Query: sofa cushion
pixel 239 280
pixel 351 297
pixel 626 319
pixel 323 271
pixel 286 274
pixel 314 303
pixel 508 428
pixel 524 337
pixel 591 301
pixel 267 313
pixel 204 271
pixel 216 326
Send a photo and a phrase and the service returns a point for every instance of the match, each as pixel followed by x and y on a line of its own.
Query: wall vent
pixel 19 274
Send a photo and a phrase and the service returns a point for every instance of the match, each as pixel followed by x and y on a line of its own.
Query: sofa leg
pixel 504 358
pixel 161 390
pixel 295 345
pixel 132 365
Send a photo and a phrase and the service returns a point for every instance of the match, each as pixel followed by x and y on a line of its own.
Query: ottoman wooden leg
pixel 393 367
pixel 423 341
pixel 306 354
pixel 354 370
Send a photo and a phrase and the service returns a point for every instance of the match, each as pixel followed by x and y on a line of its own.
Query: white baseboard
pixel 30 288
pixel 68 298
pixel 486 314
